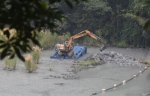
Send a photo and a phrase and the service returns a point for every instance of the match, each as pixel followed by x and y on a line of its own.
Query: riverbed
pixel 56 78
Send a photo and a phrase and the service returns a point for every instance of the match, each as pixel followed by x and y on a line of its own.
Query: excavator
pixel 67 50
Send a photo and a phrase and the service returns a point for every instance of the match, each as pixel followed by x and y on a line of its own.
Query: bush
pixel 46 39
pixel 122 44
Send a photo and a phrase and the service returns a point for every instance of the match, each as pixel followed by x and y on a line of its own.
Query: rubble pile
pixel 115 58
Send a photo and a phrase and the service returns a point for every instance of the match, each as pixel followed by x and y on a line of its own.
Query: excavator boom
pixel 81 34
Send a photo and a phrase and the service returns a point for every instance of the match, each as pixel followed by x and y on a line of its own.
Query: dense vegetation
pixel 26 17
pixel 119 22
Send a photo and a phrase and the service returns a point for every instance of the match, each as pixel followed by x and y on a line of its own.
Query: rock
pixel 114 58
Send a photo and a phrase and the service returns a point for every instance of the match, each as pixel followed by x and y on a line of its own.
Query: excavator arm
pixel 81 34
pixel 66 50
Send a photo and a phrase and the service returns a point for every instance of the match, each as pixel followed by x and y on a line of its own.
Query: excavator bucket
pixel 103 48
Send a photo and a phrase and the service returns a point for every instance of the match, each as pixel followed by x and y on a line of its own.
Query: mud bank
pixel 59 78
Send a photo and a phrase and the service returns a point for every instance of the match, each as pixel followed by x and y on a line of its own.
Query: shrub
pixel 122 44
pixel 47 39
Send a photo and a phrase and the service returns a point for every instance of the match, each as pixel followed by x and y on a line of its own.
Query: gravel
pixel 115 58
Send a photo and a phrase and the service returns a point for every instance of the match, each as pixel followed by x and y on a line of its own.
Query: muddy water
pixel 107 75
pixel 44 82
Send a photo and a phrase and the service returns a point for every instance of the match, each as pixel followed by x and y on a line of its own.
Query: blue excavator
pixel 68 51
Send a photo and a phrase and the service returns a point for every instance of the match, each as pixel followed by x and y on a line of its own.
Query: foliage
pixel 115 21
pixel 62 38
pixel 27 16
pixel 140 20
pixel 85 15
pixel 47 39
pixel 141 8
pixel 88 41
pixel 94 5
pixel 122 44
pixel 103 17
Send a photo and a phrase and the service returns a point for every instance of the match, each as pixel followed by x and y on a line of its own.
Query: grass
pixel 147 62
pixel 88 63
pixel 30 64
pixel 51 68
pixel 10 64
pixel 32 59
pixel 36 54
pixel 47 39
pixel 122 44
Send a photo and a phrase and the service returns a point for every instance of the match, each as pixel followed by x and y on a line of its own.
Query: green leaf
pixel 35 41
pixel 43 4
pixel 7 33
pixel 146 24
pixel 1 41
pixel 19 54
pixel 77 1
pixel 28 47
pixel 4 53
pixel 23 48
pixel 3 45
pixel 12 56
